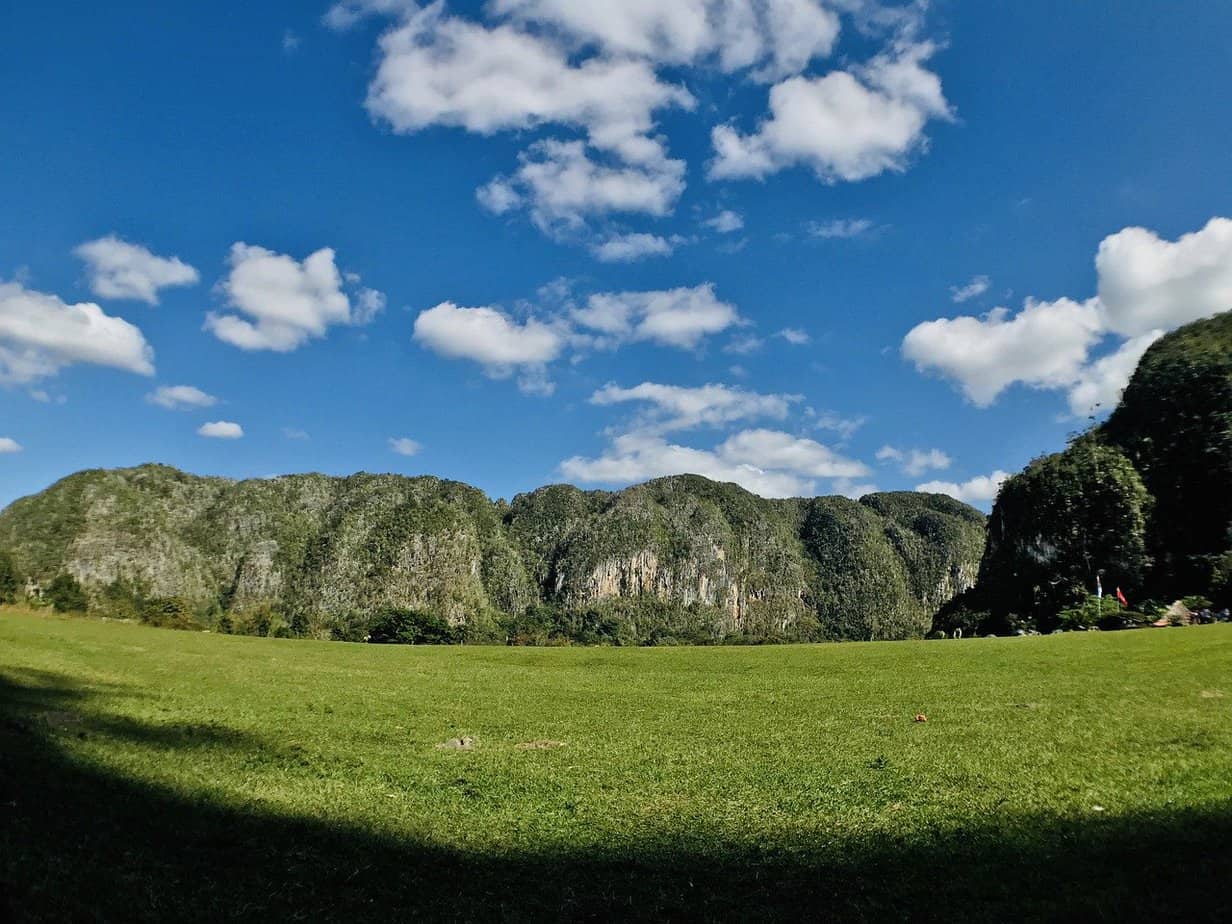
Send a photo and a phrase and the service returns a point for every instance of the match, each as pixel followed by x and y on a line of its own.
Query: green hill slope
pixel 1145 499
pixel 677 558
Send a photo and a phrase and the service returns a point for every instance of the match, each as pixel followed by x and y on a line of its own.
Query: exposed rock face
pixel 672 551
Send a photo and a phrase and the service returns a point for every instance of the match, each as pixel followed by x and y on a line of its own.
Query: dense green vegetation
pixel 150 775
pixel 1144 500
pixel 676 560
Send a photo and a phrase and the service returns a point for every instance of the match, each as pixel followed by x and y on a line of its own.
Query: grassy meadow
pixel 151 774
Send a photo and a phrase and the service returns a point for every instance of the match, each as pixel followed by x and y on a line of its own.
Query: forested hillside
pixel 677 559
pixel 1143 501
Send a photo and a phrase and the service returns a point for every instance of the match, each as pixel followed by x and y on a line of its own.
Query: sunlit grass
pixel 800 752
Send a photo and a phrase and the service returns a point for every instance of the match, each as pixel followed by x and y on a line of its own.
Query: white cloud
pixel 680 317
pixel 973 289
pixel 562 186
pixel 914 462
pixel 743 345
pixel 637 457
pixel 40 335
pixel 344 15
pixel 725 222
pixel 441 70
pixel 118 269
pixel 606 70
pixel 494 340
pixel 846 125
pixel 767 462
pixel 978 490
pixel 676 407
pixel 180 397
pixel 288 301
pixel 1100 385
pixel 795 336
pixel 221 430
pixel 1147 286
pixel 774 449
pixel 779 37
pixel 1045 345
pixel 626 248
pixel 294 433
pixel 845 427
pixel 1147 283
pixel 403 446
pixel 8 445
pixel 839 228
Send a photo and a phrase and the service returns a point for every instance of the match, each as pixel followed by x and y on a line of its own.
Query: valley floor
pixel 151 774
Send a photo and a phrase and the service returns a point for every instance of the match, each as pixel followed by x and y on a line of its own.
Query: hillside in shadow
pixel 79 843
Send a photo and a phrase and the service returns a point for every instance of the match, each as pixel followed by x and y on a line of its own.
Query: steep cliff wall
pixel 673 552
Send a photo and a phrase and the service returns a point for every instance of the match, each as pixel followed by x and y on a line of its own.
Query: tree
pixel 1065 520
pixel 410 627
pixel 9 585
pixel 66 594
pixel 1175 424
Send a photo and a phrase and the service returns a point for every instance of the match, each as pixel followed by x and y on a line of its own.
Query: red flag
pixel 1121 598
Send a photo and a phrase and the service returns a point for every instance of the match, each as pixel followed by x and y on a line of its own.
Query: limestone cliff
pixel 671 553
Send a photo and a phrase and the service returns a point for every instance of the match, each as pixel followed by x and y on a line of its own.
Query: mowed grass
pixel 156 774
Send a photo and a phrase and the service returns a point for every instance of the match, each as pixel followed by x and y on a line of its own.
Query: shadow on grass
pixel 77 843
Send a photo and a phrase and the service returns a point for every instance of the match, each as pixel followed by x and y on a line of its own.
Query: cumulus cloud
pixel 638 457
pixel 221 430
pixel 436 69
pixel 1100 384
pixel 979 490
pixel 597 69
pixel 846 126
pixel 287 302
pixel 1147 286
pixel 914 462
pixel 8 445
pixel 680 317
pixel 777 450
pixel 40 334
pixel 562 186
pixel 118 269
pixel 1045 345
pixel 180 397
pixel 973 289
pixel 725 222
pixel 675 407
pixel 1147 283
pixel 767 462
pixel 778 37
pixel 626 248
pixel 839 228
pixel 403 446
pixel 493 339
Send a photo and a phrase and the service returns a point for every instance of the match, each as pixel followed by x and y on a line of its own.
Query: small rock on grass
pixel 465 743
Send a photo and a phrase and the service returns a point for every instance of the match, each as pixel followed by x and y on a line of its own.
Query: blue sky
pixel 809 245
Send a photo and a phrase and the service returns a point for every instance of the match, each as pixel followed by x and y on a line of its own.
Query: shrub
pixel 410 627
pixel 167 613
pixel 66 595
pixel 9 585
pixel 1091 612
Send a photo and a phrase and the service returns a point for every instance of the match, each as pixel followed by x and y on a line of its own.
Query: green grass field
pixel 152 774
